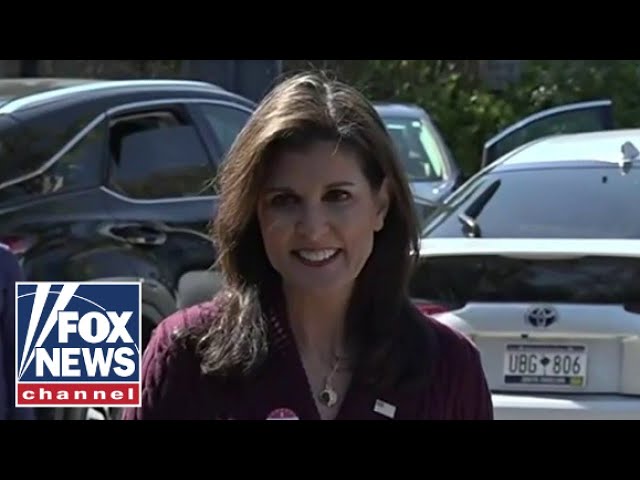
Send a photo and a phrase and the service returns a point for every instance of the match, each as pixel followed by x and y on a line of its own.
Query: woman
pixel 315 232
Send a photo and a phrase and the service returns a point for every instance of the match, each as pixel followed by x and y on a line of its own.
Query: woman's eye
pixel 337 196
pixel 282 200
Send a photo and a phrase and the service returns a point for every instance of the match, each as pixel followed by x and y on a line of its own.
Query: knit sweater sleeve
pixel 171 381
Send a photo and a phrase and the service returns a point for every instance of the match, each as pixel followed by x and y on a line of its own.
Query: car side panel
pixel 67 242
pixel 187 245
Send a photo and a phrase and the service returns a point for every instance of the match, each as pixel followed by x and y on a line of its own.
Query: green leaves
pixel 469 113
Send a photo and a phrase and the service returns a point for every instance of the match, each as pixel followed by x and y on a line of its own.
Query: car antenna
pixel 629 154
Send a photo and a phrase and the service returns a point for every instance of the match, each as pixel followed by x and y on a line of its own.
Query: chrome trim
pixel 125 106
pixel 49 163
pixel 124 198
pixel 22 102
pixel 144 103
pixel 188 231
pixel 546 113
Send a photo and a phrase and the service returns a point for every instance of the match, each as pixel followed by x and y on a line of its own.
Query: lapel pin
pixel 283 414
pixel 384 408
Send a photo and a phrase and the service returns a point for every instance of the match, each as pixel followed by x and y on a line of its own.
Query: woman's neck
pixel 317 322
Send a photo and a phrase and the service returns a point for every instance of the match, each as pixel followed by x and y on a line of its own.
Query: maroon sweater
pixel 174 388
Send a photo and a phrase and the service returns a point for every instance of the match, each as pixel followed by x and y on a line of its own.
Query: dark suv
pixel 111 180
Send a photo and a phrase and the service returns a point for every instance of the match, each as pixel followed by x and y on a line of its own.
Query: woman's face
pixel 318 215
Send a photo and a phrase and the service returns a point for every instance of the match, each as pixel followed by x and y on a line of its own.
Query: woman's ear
pixel 382 205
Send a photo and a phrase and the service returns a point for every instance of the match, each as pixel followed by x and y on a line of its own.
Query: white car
pixel 537 259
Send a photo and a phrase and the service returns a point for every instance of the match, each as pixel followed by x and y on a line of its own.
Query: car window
pixel 418 149
pixel 29 143
pixel 79 165
pixel 571 118
pixel 570 122
pixel 226 122
pixel 158 155
pixel 572 202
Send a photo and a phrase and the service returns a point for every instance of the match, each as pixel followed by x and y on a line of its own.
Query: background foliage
pixel 468 112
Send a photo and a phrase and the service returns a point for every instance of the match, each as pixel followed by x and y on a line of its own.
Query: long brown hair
pixel 383 328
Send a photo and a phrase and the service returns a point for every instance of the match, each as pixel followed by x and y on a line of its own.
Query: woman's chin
pixel 316 286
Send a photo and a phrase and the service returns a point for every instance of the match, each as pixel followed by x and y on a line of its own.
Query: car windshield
pixel 574 202
pixel 418 148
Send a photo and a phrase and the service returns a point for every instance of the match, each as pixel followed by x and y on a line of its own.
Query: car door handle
pixel 135 233
pixel 146 238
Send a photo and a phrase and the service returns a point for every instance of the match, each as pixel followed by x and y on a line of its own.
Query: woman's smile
pixel 316 257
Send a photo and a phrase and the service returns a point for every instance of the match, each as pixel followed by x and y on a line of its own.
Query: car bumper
pixel 556 407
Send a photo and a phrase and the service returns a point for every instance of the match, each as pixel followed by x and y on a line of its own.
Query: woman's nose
pixel 312 222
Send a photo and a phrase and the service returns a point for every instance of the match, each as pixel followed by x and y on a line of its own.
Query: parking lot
pixel 534 255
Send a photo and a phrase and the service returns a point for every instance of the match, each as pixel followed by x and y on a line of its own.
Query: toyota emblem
pixel 541 317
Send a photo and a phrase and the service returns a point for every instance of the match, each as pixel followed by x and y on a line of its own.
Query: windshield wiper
pixel 469 217
pixel 469 222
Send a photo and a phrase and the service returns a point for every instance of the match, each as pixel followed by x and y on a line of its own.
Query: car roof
pixel 399 109
pixel 13 88
pixel 599 146
pixel 22 93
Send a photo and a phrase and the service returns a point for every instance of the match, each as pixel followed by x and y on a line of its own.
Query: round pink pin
pixel 282 414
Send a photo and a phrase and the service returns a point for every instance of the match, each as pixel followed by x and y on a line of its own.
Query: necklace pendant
pixel 328 397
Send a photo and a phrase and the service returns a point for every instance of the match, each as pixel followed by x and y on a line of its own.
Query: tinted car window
pixel 418 148
pixel 79 166
pixel 27 145
pixel 585 202
pixel 158 155
pixel 565 122
pixel 12 149
pixel 226 123
pixel 458 279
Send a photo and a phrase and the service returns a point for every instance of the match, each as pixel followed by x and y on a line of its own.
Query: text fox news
pixel 78 344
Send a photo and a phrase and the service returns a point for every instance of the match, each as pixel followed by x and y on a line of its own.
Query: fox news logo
pixel 78 344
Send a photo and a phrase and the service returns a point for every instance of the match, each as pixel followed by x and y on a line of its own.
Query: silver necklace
pixel 328 396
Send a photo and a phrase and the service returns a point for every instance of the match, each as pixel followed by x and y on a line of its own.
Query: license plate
pixel 546 364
